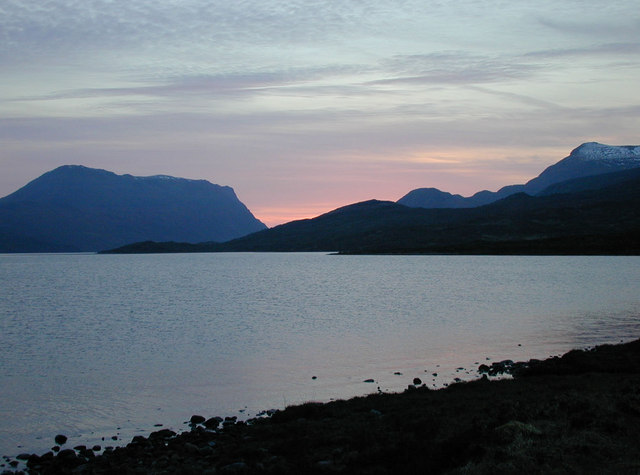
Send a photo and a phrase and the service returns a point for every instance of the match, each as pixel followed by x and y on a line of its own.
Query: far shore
pixel 579 413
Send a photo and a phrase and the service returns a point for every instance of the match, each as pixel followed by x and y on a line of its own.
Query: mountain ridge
pixel 568 201
pixel 578 219
pixel 588 159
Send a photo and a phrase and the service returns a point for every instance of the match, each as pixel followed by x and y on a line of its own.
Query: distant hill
pixel 575 219
pixel 588 159
pixel 75 208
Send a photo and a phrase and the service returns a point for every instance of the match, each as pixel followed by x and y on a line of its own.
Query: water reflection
pixel 91 343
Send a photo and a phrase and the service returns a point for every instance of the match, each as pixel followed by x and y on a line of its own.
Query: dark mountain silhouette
pixel 575 219
pixel 75 208
pixel 586 160
pixel 435 198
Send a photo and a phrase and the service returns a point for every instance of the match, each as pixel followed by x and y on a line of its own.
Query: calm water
pixel 94 346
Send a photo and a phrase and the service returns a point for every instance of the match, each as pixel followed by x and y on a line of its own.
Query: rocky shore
pixel 579 413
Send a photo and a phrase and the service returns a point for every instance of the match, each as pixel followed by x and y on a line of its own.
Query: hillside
pixel 604 220
pixel 75 208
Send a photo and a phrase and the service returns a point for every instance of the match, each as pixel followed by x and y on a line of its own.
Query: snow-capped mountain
pixel 588 159
pixel 616 154
pixel 591 158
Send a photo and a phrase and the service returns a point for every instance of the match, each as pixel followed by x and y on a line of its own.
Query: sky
pixel 306 106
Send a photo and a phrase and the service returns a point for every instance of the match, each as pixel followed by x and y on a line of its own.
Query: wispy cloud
pixel 623 49
pixel 608 20
pixel 290 89
pixel 453 67
pixel 186 26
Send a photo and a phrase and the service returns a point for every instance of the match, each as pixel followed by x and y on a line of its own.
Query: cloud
pixel 452 68
pixel 229 85
pixel 224 85
pixel 612 20
pixel 524 99
pixel 177 27
pixel 606 50
pixel 293 88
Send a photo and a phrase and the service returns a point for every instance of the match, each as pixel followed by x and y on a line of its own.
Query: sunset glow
pixel 303 107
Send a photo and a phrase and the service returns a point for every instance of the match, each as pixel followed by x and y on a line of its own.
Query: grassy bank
pixel 575 414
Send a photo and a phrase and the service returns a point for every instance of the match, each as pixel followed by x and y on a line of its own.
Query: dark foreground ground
pixel 575 414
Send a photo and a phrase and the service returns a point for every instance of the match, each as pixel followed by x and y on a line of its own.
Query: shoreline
pixel 575 413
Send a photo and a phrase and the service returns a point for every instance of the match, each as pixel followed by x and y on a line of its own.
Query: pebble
pixel 235 467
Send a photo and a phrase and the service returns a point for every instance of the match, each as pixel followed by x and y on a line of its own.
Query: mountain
pixel 574 220
pixel 75 208
pixel 435 199
pixel 588 159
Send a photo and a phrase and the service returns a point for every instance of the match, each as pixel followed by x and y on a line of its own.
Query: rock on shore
pixel 576 414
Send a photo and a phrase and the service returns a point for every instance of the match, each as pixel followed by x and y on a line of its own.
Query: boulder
pixel 162 434
pixel 67 453
pixel 213 422
pixel 196 419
